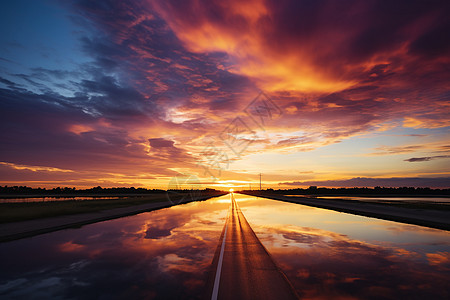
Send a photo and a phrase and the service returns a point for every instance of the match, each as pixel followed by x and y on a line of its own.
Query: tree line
pixel 314 190
pixel 25 190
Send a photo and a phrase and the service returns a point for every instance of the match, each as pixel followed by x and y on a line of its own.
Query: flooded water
pixel 332 255
pixel 166 254
pixel 163 254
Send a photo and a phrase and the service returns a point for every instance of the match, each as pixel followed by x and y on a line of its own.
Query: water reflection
pixel 162 254
pixel 166 254
pixel 327 254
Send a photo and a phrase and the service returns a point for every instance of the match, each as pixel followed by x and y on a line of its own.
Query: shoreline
pixel 423 217
pixel 23 229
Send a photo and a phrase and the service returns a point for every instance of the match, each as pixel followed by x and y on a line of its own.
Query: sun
pixel 231 190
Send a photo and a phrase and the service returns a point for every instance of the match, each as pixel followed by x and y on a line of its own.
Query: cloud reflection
pixel 330 255
pixel 164 254
pixel 324 265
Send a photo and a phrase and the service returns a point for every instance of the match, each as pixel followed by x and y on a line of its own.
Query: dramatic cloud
pixel 147 85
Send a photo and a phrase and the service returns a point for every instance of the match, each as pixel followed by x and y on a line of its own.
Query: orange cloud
pixel 80 128
pixel 34 168
pixel 241 31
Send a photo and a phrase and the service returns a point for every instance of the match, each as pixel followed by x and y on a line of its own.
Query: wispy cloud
pixel 34 168
pixel 426 158
pixel 392 150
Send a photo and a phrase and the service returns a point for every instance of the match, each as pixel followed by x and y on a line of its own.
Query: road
pixel 243 269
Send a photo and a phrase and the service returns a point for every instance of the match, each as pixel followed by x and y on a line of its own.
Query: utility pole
pixel 260 181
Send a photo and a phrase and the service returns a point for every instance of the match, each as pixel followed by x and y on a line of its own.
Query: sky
pixel 160 94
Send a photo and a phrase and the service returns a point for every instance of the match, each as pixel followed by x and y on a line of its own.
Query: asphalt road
pixel 243 269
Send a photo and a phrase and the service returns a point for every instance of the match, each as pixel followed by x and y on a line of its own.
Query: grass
pixel 15 212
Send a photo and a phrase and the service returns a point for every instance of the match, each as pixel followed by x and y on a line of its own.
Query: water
pixel 331 255
pixel 166 254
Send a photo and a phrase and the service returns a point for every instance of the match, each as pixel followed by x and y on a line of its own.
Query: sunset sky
pixel 137 92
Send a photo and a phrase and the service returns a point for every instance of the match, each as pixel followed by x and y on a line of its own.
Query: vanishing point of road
pixel 243 269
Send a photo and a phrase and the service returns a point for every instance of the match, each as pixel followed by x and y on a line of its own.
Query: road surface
pixel 243 269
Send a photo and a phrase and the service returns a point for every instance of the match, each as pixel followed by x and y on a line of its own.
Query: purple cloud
pixel 160 143
pixel 426 158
